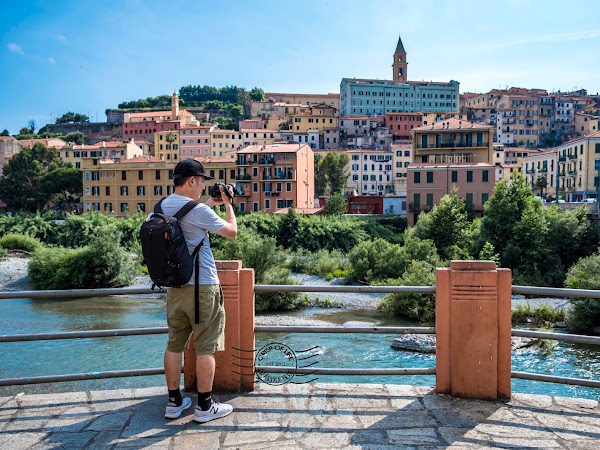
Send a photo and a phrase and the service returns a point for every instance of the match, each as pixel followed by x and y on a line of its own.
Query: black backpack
pixel 165 250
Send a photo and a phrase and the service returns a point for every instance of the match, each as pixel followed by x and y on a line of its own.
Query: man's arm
pixel 230 228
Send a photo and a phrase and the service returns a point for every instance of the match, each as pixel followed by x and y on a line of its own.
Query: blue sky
pixel 86 56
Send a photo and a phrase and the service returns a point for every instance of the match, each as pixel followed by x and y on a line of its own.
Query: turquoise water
pixel 20 359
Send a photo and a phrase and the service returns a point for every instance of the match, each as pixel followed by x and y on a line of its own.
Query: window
pixel 454 176
pixel 254 187
pixel 255 206
pixel 469 200
pixel 429 199
pixel 124 190
pixel 485 176
pixel 158 190
pixel 417 177
pixel 469 176
pixel 124 207
pixel 158 174
pixel 267 203
pixel 141 207
pixel 95 190
pixel 108 207
pixel 141 190
pixel 140 174
pixel 95 176
pixel 288 187
pixel 417 201
pixel 430 177
pixel 123 175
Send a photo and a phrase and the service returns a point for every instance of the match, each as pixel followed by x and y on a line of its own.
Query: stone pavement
pixel 307 416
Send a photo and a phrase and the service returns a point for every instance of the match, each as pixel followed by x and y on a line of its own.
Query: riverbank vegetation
pixel 542 246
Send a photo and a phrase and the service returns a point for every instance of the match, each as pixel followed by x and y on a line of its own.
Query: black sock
pixel 205 400
pixel 175 397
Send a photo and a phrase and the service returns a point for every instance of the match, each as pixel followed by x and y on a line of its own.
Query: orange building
pixel 271 177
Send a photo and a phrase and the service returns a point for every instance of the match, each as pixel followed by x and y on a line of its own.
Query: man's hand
pixel 212 201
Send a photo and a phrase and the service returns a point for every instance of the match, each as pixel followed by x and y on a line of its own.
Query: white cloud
pixel 15 48
pixel 51 60
pixel 60 37
pixel 557 37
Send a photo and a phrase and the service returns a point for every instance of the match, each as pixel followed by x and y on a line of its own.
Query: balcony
pixel 284 176
pixel 572 156
pixel 562 158
pixel 243 177
pixel 266 161
pixel 243 162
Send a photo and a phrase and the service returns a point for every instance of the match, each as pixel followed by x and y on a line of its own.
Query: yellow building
pixel 225 143
pixel 301 123
pixel 518 120
pixel 586 124
pixel 260 137
pixel 540 172
pixel 453 141
pixel 124 186
pixel 577 161
pixel 166 145
pixel 402 158
pixel 507 171
pixel 433 117
pixel 222 169
pixel 77 154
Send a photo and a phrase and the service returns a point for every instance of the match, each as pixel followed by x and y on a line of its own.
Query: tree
pixel 257 94
pixel 333 171
pixel 447 226
pixel 75 136
pixel 5 133
pixel 243 98
pixel 170 137
pixel 71 117
pixel 236 111
pixel 32 126
pixel 24 131
pixel 27 184
pixel 336 205
pixel 64 182
pixel 542 183
pixel 320 177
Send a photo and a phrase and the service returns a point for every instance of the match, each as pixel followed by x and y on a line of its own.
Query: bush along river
pixel 27 359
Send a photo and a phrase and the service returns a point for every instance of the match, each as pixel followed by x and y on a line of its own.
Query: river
pixel 20 359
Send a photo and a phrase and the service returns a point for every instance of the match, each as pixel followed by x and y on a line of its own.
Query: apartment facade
pixel 50 143
pixel 453 141
pixel 578 165
pixel 305 99
pixel 402 158
pixel 166 145
pixel 224 143
pixel 195 141
pixel 541 168
pixel 371 171
pixel 276 176
pixel 428 183
pixel 105 150
pixel 9 146
pixel 125 186
pixel 400 124
pixel 378 97
pixel 259 137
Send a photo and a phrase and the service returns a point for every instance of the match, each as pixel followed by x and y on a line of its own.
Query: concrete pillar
pixel 473 326
pixel 238 294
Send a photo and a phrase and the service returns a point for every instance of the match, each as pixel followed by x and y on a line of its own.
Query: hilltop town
pixel 405 144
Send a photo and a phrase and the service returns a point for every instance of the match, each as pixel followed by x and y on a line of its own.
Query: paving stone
pixel 107 422
pixel 20 441
pixel 120 405
pixel 103 439
pixel 152 443
pixel 285 444
pixel 540 402
pixel 64 399
pixel 205 441
pixel 450 418
pixel 576 403
pixel 436 401
pixel 418 419
pixel 354 402
pixel 4 400
pixel 413 436
pixel 405 403
pixel 584 444
pixel 569 427
pixel 249 437
pixel 148 425
pixel 370 437
pixel 401 390
pixel 142 393
pixel 69 424
pixel 65 441
pixel 519 442
pixel 341 422
pixel 326 440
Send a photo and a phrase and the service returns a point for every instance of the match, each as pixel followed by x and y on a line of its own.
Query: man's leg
pixel 173 369
pixel 207 409
pixel 205 372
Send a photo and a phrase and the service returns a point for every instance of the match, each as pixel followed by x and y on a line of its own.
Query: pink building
pixel 250 124
pixel 428 183
pixel 271 177
pixel 195 141
pixel 400 124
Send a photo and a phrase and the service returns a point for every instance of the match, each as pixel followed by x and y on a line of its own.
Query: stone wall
pixel 86 128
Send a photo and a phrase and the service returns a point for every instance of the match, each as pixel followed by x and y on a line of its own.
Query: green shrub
pixel 585 312
pixel 2 253
pixel 329 262
pixel 543 314
pixel 276 301
pixel 14 241
pixel 326 302
pixel 101 264
pixel 414 306
pixel 257 252
pixel 38 225
pixel 303 261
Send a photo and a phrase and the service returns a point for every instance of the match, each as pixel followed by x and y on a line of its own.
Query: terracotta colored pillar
pixel 235 365
pixel 473 326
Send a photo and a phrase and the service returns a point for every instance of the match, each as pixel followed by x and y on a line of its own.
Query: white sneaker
pixel 216 411
pixel 173 411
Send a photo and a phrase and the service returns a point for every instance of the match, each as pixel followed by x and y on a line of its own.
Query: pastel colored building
pixel 259 137
pixel 275 176
pixel 400 65
pixel 402 158
pixel 225 143
pixel 540 167
pixel 105 150
pixel 306 99
pixel 508 171
pixel 586 124
pixel 9 146
pixel 166 145
pixel 578 163
pixel 223 170
pixel 125 186
pixel 428 183
pixel 371 171
pixel 400 124
pixel 453 141
pixel 50 142
pixel 195 141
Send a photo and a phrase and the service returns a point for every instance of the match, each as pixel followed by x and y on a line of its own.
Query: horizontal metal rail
pixel 82 376
pixel 82 334
pixel 345 289
pixel 574 338
pixel 78 293
pixel 363 330
pixel 336 371
pixel 555 292
pixel 555 379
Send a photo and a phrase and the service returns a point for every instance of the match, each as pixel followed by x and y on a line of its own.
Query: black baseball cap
pixel 190 168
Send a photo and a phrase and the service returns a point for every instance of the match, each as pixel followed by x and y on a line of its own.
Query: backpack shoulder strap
pixel 158 207
pixel 185 209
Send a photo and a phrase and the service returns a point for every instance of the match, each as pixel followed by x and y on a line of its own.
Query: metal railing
pixel 527 290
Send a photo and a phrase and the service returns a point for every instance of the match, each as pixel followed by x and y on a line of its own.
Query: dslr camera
pixel 214 191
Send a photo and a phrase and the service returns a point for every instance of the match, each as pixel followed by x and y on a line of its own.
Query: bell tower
pixel 174 106
pixel 399 66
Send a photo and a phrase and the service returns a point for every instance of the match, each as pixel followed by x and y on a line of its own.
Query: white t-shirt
pixel 196 226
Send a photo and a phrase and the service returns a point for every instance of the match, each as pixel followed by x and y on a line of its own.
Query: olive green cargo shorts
pixel 209 334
